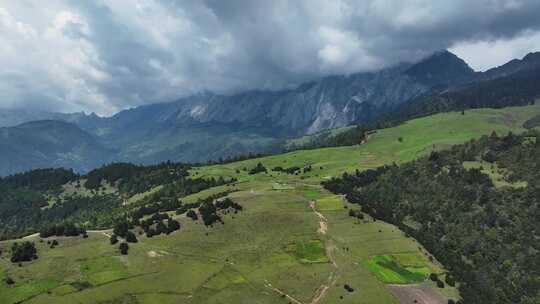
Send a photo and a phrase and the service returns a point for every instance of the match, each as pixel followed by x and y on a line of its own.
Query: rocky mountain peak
pixel 441 68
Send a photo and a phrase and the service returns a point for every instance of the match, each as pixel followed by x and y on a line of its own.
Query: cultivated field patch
pixel 312 194
pixel 312 251
pixel 329 203
pixel 389 268
pixel 226 277
pixel 103 270
pixel 64 290
pixel 25 290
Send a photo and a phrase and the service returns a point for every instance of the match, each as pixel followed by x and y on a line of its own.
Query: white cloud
pixel 483 55
pixel 106 55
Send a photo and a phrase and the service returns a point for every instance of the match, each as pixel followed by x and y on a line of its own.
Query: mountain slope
pixel 441 69
pixel 292 237
pixel 49 143
pixel 14 117
pixel 528 62
pixel 267 116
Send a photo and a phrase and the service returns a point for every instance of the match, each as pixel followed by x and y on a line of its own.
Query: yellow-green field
pixel 400 268
pixel 294 240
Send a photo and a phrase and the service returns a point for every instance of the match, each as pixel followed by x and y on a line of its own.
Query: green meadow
pixel 275 246
pixel 399 269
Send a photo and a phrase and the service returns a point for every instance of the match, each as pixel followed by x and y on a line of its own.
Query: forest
pixel 475 207
pixel 32 201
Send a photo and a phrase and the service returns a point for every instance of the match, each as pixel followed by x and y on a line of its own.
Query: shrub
pixel 150 232
pixel 192 214
pixel 124 247
pixel 209 213
pixel 257 169
pixel 172 225
pixel 161 228
pixel 23 252
pixel 356 213
pixel 130 237
pixel 121 229
pixel 450 280
pixel 114 239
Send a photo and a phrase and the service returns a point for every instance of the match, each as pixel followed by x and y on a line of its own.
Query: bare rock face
pixel 328 103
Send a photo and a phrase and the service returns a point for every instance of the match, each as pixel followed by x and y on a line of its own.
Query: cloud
pixel 107 55
pixel 485 54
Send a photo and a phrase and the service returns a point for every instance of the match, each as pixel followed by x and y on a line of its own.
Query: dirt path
pixel 329 247
pixel 283 293
pixel 323 221
pixel 30 236
pixel 321 291
pixel 106 232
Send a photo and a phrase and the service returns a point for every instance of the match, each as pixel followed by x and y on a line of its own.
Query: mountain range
pixel 210 126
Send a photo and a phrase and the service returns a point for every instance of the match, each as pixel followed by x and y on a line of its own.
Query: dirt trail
pixel 106 232
pixel 329 247
pixel 323 221
pixel 283 293
pixel 320 292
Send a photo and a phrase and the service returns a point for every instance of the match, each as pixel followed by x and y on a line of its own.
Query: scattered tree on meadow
pixel 113 239
pixel 192 214
pixel 124 247
pixel 130 237
pixel 23 252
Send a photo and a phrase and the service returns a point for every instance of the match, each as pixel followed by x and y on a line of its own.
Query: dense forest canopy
pixel 475 207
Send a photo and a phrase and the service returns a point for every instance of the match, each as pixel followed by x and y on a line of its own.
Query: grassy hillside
pixel 418 137
pixel 294 242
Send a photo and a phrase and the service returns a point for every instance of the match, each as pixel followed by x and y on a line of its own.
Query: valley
pixel 270 152
pixel 293 241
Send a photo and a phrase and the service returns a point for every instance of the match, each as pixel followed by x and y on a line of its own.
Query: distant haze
pixel 106 55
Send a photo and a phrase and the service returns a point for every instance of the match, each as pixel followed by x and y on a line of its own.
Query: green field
pixel 330 203
pixel 103 270
pixel 399 269
pixel 275 243
pixel 309 252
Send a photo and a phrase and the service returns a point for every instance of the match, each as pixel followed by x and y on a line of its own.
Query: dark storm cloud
pixel 107 55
